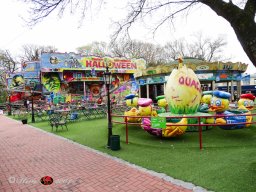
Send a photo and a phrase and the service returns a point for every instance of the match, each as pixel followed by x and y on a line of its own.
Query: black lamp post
pixel 32 106
pixel 107 79
pixel 9 104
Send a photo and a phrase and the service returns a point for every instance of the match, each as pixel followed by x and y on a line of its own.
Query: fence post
pixel 126 129
pixel 200 133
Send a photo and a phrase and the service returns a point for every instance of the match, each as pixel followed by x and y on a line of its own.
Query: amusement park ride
pixel 183 97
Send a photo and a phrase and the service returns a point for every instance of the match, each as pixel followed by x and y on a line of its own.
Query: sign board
pixel 158 122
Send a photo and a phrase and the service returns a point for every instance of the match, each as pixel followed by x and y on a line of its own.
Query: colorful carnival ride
pixel 183 95
pixel 185 100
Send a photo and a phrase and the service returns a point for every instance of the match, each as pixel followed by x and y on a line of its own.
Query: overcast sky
pixel 66 34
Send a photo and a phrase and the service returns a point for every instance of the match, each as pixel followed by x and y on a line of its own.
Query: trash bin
pixel 115 142
pixel 24 121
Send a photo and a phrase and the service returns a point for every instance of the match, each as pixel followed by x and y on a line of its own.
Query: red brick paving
pixel 27 154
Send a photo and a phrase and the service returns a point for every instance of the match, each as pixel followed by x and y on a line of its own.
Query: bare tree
pixel 119 49
pixel 99 49
pixel 239 13
pixel 8 65
pixel 137 49
pixel 204 48
pixel 174 49
pixel 32 52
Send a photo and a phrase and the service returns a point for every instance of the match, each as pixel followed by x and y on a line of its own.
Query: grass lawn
pixel 227 162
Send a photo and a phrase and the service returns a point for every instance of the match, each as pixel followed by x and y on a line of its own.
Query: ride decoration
pixel 183 90
pixel 162 104
pixel 246 105
pixel 205 102
pixel 145 108
pixel 182 95
pixel 131 100
pixel 220 104
pixel 246 102
pixel 132 115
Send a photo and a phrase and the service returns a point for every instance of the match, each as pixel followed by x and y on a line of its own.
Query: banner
pixel 60 61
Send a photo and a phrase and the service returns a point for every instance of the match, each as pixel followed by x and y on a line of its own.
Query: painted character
pixel 51 82
pixel 17 81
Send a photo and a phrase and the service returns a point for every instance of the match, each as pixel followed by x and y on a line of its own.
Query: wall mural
pixel 51 82
pixel 95 90
pixel 17 81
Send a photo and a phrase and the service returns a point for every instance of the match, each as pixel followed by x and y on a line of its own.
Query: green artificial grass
pixel 227 162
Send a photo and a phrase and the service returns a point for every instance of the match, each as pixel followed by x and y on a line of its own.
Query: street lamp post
pixel 107 79
pixel 9 104
pixel 32 107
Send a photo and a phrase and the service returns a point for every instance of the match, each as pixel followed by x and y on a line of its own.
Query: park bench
pixel 58 120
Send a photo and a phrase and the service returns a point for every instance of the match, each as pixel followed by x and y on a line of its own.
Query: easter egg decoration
pixel 183 90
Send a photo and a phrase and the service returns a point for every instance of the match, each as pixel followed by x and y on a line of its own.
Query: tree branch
pixel 229 11
pixel 250 8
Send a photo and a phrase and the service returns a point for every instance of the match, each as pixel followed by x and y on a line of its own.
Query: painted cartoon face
pixel 17 81
pixel 219 104
pixel 51 82
pixel 95 89
pixel 54 60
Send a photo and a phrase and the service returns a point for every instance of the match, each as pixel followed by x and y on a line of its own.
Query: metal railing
pixel 199 124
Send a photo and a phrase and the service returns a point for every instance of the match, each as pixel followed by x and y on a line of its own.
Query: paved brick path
pixel 27 154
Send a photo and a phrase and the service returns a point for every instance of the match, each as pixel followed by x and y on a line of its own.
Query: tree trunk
pixel 245 30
